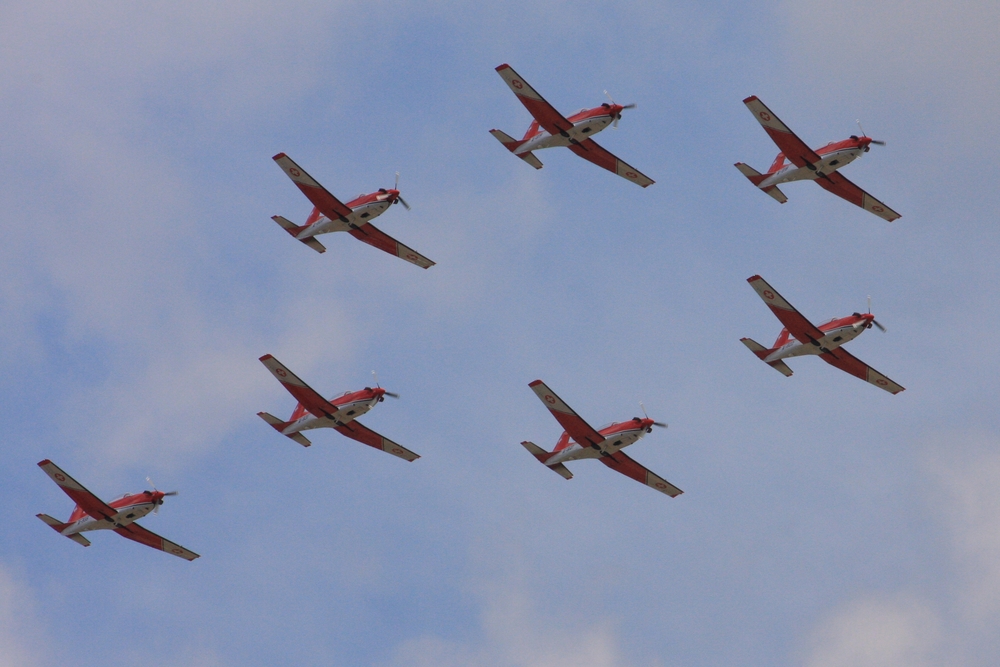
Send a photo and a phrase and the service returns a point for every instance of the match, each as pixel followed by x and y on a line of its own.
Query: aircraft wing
pixel 87 501
pixel 328 205
pixel 619 462
pixel 137 533
pixel 546 115
pixel 578 429
pixel 374 236
pixel 797 325
pixel 796 150
pixel 847 362
pixel 844 189
pixel 306 395
pixel 589 150
pixel 366 436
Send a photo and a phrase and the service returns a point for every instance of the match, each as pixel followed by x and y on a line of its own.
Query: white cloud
pixel 21 639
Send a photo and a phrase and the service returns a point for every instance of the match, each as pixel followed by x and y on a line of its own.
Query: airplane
pixel 339 413
pixel 821 165
pixel 581 441
pixel 354 217
pixel 120 515
pixel 550 129
pixel 800 337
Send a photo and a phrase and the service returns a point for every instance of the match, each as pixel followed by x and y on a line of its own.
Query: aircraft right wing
pixel 803 330
pixel 87 501
pixel 847 362
pixel 366 436
pixel 619 462
pixel 844 189
pixel 589 150
pixel 306 395
pixel 374 236
pixel 796 150
pixel 137 533
pixel 546 114
pixel 578 429
pixel 328 205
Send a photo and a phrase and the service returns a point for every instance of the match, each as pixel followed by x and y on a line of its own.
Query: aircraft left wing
pixel 619 462
pixel 87 501
pixel 546 114
pixel 306 395
pixel 374 236
pixel 579 430
pixel 847 362
pixel 366 436
pixel 589 150
pixel 844 189
pixel 328 205
pixel 796 150
pixel 803 330
pixel 137 533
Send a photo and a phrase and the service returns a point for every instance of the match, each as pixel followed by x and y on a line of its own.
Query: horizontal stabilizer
pixel 511 144
pixel 542 455
pixel 756 178
pixel 58 526
pixel 762 353
pixel 279 426
pixel 776 194
pixel 294 230
pixel 530 158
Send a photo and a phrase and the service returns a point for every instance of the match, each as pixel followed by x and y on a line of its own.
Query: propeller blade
pixel 643 407
pixel 608 95
pixel 629 106
pixel 171 493
pixel 878 143
pixel 403 202
pixel 396 187
pixel 880 327
pixel 614 125
pixel 660 424
pixel 389 393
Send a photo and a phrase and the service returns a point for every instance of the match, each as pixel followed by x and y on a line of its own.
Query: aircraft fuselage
pixel 617 436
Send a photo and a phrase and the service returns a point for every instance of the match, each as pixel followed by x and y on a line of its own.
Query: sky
pixel 823 522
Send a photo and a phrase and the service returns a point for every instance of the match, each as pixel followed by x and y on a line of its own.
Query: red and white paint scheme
pixel 805 164
pixel 339 413
pixel 800 337
pixel 331 215
pixel 550 129
pixel 120 515
pixel 581 441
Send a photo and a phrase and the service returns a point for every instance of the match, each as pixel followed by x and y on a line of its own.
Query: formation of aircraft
pixel 582 441
pixel 801 337
pixel 92 513
pixel 339 413
pixel 805 164
pixel 331 215
pixel 550 129
pixel 579 440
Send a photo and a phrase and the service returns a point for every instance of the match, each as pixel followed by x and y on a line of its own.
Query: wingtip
pixel 750 99
pixel 265 357
pixel 535 383
pixel 503 66
pixel 279 156
pixel 44 463
pixel 753 278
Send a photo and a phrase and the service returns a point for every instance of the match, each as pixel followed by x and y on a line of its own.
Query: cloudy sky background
pixel 823 522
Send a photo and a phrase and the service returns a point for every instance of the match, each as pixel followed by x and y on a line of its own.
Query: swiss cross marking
pixel 550 399
pixel 282 372
pixel 768 294
pixel 881 382
pixel 60 477
pixel 878 209
pixel 631 174
pixel 517 84
pixel 397 450
pixel 764 116
pixel 176 550
pixel 410 256
pixel 294 172
pixel 660 485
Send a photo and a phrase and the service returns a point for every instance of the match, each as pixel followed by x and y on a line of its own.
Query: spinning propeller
pixel 388 393
pixel 874 141
pixel 874 321
pixel 660 424
pixel 618 116
pixel 156 510
pixel 398 197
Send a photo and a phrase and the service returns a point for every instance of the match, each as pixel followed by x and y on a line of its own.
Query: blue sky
pixel 823 522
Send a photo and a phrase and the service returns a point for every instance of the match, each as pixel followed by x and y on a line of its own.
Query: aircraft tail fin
pixel 512 144
pixel 294 230
pixel 543 456
pixel 762 353
pixel 59 526
pixel 756 178
pixel 280 426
